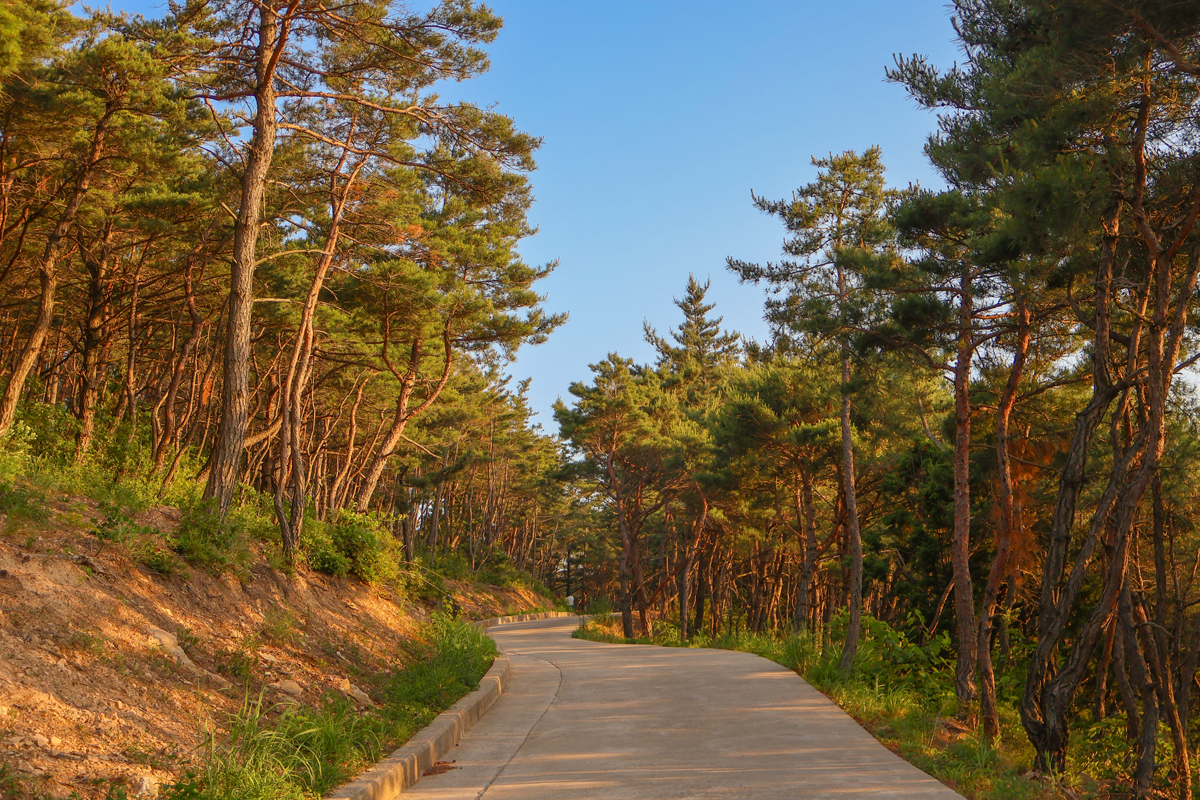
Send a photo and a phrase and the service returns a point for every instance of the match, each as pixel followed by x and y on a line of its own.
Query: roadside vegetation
pixel 293 753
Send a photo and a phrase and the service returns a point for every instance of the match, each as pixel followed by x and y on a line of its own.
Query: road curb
pixel 403 768
pixel 484 624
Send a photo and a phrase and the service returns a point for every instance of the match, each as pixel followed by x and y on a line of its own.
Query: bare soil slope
pixel 111 672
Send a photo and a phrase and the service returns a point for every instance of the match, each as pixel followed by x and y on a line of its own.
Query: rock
pixel 144 786
pixel 360 696
pixel 55 741
pixel 170 646
pixel 167 640
pixel 218 680
pixel 288 687
pixel 25 766
pixel 39 740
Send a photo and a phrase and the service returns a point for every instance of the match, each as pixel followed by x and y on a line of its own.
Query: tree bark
pixel 853 535
pixel 226 458
pixel 960 546
pixel 989 716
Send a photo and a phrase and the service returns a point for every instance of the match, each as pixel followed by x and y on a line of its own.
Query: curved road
pixel 582 720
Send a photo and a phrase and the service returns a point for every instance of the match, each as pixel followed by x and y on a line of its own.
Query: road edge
pixel 391 776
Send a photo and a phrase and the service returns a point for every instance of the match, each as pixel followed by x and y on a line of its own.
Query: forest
pixel 254 266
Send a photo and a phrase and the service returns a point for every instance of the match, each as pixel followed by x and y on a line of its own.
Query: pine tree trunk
pixel 170 424
pixel 853 536
pixel 226 458
pixel 809 564
pixel 989 716
pixel 960 547
pixel 95 345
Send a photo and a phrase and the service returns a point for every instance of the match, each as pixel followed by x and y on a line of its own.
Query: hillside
pixel 113 674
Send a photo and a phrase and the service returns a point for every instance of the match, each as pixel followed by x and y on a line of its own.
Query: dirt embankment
pixel 109 672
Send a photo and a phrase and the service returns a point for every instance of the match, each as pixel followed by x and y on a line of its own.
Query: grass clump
pixel 206 541
pixel 296 753
pixel 19 504
pixel 281 626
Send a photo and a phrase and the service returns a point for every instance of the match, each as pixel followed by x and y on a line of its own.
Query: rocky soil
pixel 109 672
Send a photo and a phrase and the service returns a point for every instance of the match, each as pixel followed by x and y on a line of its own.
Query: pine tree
pixel 838 223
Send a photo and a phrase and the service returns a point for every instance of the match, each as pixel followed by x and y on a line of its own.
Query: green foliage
pixel 238 662
pixel 13 786
pixel 46 432
pixel 280 626
pixel 155 557
pixel 451 667
pixel 498 570
pixel 20 504
pixel 319 549
pixel 204 540
pixel 187 639
pixel 352 544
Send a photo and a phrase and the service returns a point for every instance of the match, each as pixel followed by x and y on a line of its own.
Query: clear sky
pixel 659 117
pixel 658 120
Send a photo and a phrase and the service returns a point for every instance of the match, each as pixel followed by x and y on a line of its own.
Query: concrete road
pixel 583 720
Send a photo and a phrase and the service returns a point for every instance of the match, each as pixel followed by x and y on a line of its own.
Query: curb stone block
pixel 403 768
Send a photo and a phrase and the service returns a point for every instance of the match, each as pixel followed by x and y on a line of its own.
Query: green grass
pixel 297 753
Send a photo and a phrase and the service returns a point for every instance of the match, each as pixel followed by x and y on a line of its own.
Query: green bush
pixel 352 543
pixel 206 541
pixel 499 571
pixel 321 552
pixel 15 452
pixel 47 432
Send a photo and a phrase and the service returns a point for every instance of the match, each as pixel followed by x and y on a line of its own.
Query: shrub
pixel 46 431
pixel 355 544
pixel 280 626
pixel 206 541
pixel 499 571
pixel 155 558
pixel 320 551
pixel 15 452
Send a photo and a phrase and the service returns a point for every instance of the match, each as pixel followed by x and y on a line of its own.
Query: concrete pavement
pixel 583 720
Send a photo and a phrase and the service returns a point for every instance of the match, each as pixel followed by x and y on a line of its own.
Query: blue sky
pixel 658 119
